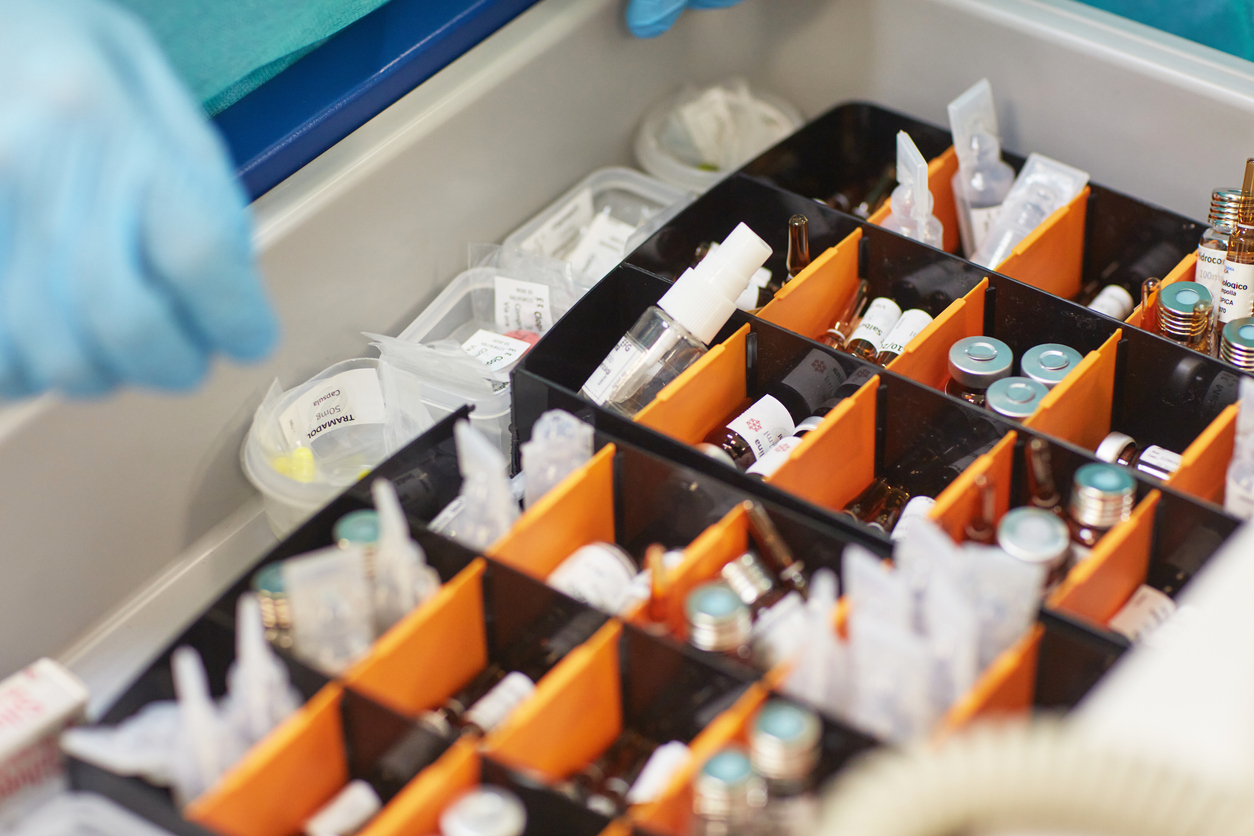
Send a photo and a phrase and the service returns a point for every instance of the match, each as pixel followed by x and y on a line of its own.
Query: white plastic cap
pixel 970 114
pixel 485 811
pixel 704 297
pixel 912 172
pixel 347 812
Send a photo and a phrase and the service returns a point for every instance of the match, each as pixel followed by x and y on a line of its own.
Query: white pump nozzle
pixel 704 297
pixel 970 115
pixel 912 172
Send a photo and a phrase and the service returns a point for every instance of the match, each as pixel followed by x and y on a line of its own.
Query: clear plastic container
pixel 310 442
pixel 568 227
pixel 665 146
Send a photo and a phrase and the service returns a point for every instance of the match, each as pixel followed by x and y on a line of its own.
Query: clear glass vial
pixel 1212 250
pixel 276 616
pixel 749 578
pixel 1049 363
pixel 1102 496
pixel 1015 398
pixel 484 811
pixel 1036 536
pixel 718 621
pixel 868 338
pixel 672 335
pixel 784 749
pixel 727 794
pixel 1236 344
pixel 1236 298
pixel 909 326
pixel 975 363
pixel 1184 314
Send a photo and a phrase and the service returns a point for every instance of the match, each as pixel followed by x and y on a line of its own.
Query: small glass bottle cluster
pixel 980 373
pixel 880 333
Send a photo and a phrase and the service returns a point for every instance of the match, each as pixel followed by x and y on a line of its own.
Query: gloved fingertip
pixel 251 341
pixel 650 19
pixel 86 390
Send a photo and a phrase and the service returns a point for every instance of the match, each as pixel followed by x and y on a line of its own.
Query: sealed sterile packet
pixel 1043 187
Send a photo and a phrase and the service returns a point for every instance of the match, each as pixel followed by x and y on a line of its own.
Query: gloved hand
pixel 125 241
pixel 650 18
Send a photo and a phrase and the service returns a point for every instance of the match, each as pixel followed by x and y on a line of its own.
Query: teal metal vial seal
pixel 1102 495
pixel 1049 363
pixel 1015 397
pixel 1184 313
pixel 1034 536
pixel 727 788
pixel 718 620
pixel 1236 344
pixel 784 741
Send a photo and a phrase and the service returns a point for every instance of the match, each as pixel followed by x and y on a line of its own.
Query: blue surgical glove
pixel 125 242
pixel 650 18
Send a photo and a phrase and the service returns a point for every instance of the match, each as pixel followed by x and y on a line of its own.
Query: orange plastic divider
pixel 286 777
pixel 1185 271
pixel 809 304
pixel 1097 587
pixel 671 813
pixel 618 827
pixel 582 696
pixel 432 652
pixel 940 182
pixel 578 511
pixel 960 502
pixel 703 559
pixel 1052 256
pixel 1007 686
pixel 416 809
pixel 836 462
pixel 707 392
pixel 926 358
pixel 1078 409
pixel 1203 470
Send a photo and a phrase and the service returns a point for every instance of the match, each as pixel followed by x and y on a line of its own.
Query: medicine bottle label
pixel 1145 611
pixel 1239 499
pixel 1157 460
pixel 616 364
pixel 596 575
pixel 982 221
pixel 1236 299
pixel 912 322
pixel 816 378
pixel 1210 271
pixel 522 305
pixel 762 425
pixel 767 465
pixel 880 317
pixel 494 707
pixel 916 509
pixel 347 399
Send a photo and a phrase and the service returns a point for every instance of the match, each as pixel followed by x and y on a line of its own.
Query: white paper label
pixel 602 246
pixel 1158 462
pixel 450 513
pixel 1239 499
pixel 880 317
pixel 600 385
pixel 522 306
pixel 982 221
pixel 912 322
pixel 597 576
pixel 1145 611
pixel 1114 301
pixel 768 465
pixel 347 399
pixel 762 425
pixel 496 351
pixel 494 707
pixel 1210 270
pixel 561 230
pixel 916 509
pixel 1236 299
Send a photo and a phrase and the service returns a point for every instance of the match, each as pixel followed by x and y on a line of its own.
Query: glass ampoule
pixel 671 336
pixel 1236 298
pixel 982 527
pixel 1212 249
pixel 1042 489
pixel 838 335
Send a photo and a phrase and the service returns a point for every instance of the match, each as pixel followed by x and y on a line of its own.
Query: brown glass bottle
pixel 983 526
pixel 1042 490
pixel 867 504
pixel 842 329
pixel 886 518
pixel 1238 283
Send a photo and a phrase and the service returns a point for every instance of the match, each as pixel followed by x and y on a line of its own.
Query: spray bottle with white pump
pixel 673 334
pixel 983 179
pixel 912 202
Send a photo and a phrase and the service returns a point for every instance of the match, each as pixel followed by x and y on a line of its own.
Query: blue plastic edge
pixel 304 110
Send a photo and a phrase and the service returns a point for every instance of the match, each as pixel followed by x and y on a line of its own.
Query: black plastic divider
pixel 518 607
pixel 548 812
pixel 1023 316
pixel 371 731
pixel 1073 656
pixel 672 691
pixel 1186 533
pixel 1125 240
pixel 155 804
pixel 713 216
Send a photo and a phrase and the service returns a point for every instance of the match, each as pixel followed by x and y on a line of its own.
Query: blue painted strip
pixel 337 88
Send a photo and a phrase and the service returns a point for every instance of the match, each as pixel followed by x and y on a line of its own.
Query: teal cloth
pixel 1226 25
pixel 224 49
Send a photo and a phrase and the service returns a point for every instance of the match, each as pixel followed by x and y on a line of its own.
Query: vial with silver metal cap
pixel 276 614
pixel 1236 344
pixel 748 576
pixel 484 811
pixel 1015 398
pixel 727 795
pixel 1049 363
pixel 1212 249
pixel 1038 537
pixel 975 363
pixel 784 749
pixel 718 620
pixel 1184 314
pixel 1102 496
pixel 1236 299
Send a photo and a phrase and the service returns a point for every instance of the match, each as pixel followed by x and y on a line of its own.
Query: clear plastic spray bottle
pixel 912 202
pixel 983 179
pixel 672 335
